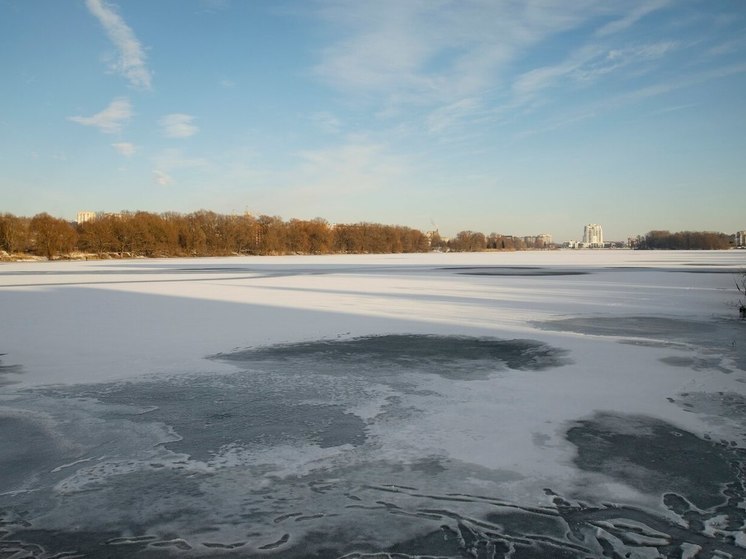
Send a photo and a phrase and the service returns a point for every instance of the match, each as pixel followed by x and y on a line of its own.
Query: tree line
pixel 206 233
pixel 684 240
pixel 201 233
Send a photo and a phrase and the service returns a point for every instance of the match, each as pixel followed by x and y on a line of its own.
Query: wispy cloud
pixel 602 106
pixel 458 60
pixel 633 16
pixel 416 52
pixel 728 47
pixel 162 178
pixel 673 85
pixel 178 125
pixel 588 64
pixel 131 61
pixel 622 57
pixel 450 115
pixel 111 119
pixel 673 108
pixel 125 148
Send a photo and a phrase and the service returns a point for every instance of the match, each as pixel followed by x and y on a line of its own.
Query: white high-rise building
pixel 85 216
pixel 593 235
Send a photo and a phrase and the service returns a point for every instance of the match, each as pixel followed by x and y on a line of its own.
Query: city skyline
pixel 471 115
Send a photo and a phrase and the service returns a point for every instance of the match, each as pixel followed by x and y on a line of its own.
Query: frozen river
pixel 525 405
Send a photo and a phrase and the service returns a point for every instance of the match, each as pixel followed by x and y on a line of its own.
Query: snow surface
pixel 91 321
pixel 76 336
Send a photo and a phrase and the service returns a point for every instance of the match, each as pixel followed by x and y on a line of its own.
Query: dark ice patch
pixel 718 336
pixel 529 523
pixel 31 543
pixel 695 363
pixel 654 456
pixel 210 413
pixel 679 361
pixel 27 448
pixel 160 497
pixel 635 326
pixel 445 542
pixel 448 356
pixel 430 466
pixel 6 370
pixel 723 405
pixel 522 271
pixel 652 343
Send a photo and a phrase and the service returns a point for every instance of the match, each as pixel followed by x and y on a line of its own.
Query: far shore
pixel 82 256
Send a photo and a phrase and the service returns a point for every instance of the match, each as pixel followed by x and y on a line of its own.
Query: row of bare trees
pixel 685 240
pixel 42 234
pixel 202 233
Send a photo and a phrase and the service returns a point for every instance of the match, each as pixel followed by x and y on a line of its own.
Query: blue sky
pixel 516 117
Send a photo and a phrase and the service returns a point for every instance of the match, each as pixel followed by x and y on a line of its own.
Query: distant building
pixel 85 216
pixel 543 240
pixel 593 236
pixel 741 238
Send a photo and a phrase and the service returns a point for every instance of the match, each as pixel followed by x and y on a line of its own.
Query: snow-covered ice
pixel 534 404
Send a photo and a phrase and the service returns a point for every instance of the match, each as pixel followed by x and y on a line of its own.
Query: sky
pixel 507 116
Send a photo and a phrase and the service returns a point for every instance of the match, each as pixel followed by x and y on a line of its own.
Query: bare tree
pixel 52 236
pixel 13 233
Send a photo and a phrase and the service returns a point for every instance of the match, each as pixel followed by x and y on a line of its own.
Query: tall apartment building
pixel 593 235
pixel 741 238
pixel 85 216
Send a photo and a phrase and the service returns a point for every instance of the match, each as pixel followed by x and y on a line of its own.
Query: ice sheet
pixel 424 404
